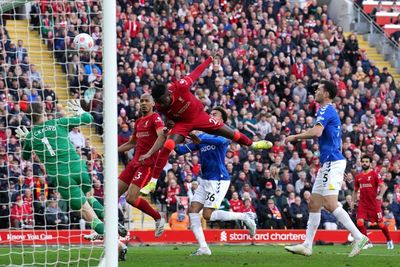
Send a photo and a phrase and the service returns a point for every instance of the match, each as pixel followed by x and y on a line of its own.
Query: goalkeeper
pixel 49 140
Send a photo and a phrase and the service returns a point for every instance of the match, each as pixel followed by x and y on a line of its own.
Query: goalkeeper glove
pixel 21 133
pixel 75 107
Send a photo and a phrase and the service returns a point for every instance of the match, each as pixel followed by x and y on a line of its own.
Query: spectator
pixel 179 220
pixel 298 214
pixel 173 190
pixel 34 75
pixel 236 203
pixel 76 138
pixel 21 214
pixel 275 218
pixel 54 216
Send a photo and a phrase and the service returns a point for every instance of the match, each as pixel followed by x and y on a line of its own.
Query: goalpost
pixel 48 57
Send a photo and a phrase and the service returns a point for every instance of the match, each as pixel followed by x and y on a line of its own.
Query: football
pixel 83 42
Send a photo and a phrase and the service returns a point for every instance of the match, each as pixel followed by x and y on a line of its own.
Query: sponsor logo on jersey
pixel 142 134
pixel 365 185
pixel 184 108
pixel 207 148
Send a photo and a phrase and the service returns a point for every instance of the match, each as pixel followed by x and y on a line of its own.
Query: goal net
pixel 48 177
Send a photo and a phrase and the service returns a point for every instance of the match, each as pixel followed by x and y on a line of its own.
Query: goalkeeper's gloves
pixel 75 107
pixel 21 133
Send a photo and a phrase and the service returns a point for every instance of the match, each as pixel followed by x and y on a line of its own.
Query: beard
pixel 365 167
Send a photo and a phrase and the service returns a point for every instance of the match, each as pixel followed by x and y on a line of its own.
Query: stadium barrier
pixel 75 237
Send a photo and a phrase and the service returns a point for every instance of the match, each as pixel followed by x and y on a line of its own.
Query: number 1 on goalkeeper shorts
pixel 46 142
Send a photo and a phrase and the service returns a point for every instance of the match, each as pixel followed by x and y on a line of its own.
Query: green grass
pixel 226 255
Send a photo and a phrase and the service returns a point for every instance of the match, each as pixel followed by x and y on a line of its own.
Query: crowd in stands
pixel 270 57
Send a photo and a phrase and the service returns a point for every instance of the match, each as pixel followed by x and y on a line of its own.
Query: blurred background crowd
pixel 270 57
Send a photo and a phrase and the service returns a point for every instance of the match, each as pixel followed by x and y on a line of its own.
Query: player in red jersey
pixel 369 205
pixel 147 136
pixel 179 105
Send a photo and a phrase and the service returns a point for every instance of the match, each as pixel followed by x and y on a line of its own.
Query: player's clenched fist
pixel 21 133
pixel 75 107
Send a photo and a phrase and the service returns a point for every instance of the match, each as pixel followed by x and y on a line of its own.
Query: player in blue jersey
pixel 214 184
pixel 329 179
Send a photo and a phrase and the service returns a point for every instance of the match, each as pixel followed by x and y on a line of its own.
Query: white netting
pixel 38 63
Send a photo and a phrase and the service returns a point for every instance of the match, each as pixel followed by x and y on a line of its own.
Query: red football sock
pixel 385 231
pixel 362 228
pixel 162 158
pixel 144 206
pixel 242 139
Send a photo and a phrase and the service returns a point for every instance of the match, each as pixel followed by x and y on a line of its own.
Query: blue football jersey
pixel 212 150
pixel 330 142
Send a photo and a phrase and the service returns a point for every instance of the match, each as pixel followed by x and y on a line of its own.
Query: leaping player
pixel 178 104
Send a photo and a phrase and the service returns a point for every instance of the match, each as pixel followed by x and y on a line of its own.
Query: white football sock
pixel 195 225
pixel 343 217
pixel 312 227
pixel 221 215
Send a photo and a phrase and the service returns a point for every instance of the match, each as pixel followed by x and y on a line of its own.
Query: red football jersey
pixel 236 205
pixel 145 132
pixel 368 184
pixel 185 106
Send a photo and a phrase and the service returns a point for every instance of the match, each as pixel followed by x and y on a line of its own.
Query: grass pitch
pixel 223 255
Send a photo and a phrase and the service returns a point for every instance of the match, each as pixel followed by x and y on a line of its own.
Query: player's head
pixel 36 110
pixel 146 104
pixel 219 113
pixel 161 95
pixel 366 162
pixel 326 91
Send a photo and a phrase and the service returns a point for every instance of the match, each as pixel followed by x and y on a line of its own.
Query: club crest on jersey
pixel 145 124
pixel 180 99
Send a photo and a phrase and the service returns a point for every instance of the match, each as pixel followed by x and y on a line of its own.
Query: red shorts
pixel 370 214
pixel 136 174
pixel 203 122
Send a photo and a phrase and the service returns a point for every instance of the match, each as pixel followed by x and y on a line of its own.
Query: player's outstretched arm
pixel 195 74
pixel 313 132
pixel 81 117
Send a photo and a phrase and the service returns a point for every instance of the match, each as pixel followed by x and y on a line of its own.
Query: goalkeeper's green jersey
pixel 51 143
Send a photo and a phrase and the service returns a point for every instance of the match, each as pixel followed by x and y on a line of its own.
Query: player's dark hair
pixel 223 113
pixel 330 88
pixel 365 156
pixel 35 110
pixel 158 90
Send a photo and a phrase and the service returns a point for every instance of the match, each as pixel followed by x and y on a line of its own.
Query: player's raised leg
pixel 162 159
pixel 241 138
